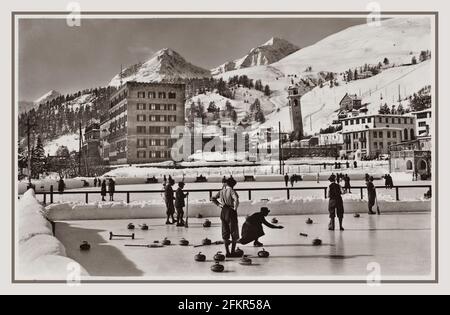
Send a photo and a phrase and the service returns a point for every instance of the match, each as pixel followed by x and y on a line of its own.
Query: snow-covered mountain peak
pixel 47 97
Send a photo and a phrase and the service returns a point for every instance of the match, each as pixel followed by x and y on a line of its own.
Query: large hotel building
pixel 140 120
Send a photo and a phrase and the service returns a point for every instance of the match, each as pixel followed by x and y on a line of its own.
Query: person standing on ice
pixel 336 204
pixel 180 196
pixel 103 190
pixel 348 185
pixel 61 185
pixel 252 229
pixel 169 199
pixel 318 178
pixel 112 189
pixel 228 200
pixel 95 182
pixel 372 193
pixel 286 179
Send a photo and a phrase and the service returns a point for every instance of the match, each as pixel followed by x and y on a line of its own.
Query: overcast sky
pixel 53 55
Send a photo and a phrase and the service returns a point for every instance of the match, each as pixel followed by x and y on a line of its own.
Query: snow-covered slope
pixel 165 65
pixel 270 52
pixel 47 97
pixel 397 39
pixel 71 141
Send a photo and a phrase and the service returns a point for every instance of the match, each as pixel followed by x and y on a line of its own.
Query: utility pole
pixel 280 149
pixel 79 152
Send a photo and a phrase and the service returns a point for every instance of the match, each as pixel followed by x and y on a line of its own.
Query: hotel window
pixel 375 134
pixel 162 130
pixel 381 120
pixel 153 142
pixel 346 122
pixel 163 118
pixel 381 134
pixel 153 154
pixel 162 107
pixel 172 95
pixel 172 118
pixel 151 94
pixel 352 122
pixel 141 94
pixel 140 129
pixel 163 142
pixel 141 106
pixel 363 120
pixel 141 154
pixel 369 120
pixel 152 107
pixel 381 145
pixel 394 134
pixel 141 143
pixel 388 134
pixel 406 121
pixel 162 95
pixel 141 117
pixel 387 120
pixel 376 145
pixel 152 117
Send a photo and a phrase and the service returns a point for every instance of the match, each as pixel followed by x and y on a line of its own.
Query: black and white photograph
pixel 215 148
pixel 230 148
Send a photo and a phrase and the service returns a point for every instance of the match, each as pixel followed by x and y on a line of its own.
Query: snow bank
pixel 155 209
pixel 41 256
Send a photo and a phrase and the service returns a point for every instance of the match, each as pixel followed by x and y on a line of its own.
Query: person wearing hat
pixel 228 200
pixel 252 229
pixel 336 204
pixel 372 193
pixel 180 196
pixel 169 199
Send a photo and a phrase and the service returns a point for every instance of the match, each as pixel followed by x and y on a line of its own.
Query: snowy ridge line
pixel 69 211
pixel 41 256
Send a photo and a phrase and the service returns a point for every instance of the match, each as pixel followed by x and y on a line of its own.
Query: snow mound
pixel 41 256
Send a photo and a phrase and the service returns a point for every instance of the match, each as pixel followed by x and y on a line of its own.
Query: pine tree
pixel 39 160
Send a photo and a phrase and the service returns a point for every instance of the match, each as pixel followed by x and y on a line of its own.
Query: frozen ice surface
pixel 399 243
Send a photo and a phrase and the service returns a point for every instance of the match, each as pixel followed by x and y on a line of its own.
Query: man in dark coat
pixel 112 189
pixel 169 199
pixel 180 196
pixel 355 164
pixel 372 193
pixel 228 200
pixel 95 182
pixel 61 185
pixel 286 180
pixel 336 204
pixel 347 186
pixel 252 229
pixel 103 190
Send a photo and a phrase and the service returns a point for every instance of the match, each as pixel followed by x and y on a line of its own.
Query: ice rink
pixel 399 244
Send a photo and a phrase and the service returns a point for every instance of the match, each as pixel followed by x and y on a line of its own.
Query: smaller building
pixel 412 157
pixel 309 143
pixel 91 150
pixel 350 102
pixel 424 122
pixel 331 139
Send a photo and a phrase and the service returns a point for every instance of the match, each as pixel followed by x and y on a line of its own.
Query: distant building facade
pixel 424 122
pixel 140 122
pixel 372 135
pixel 331 139
pixel 91 145
pixel 350 102
pixel 412 157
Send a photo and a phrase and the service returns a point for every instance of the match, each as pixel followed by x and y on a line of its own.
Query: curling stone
pixel 309 221
pixel 85 246
pixel 207 224
pixel 317 242
pixel 239 252
pixel 131 226
pixel 274 220
pixel 245 261
pixel 166 242
pixel 263 254
pixel 217 267
pixel 357 215
pixel 199 216
pixel 219 257
pixel 184 242
pixel 144 227
pixel 200 257
pixel 206 242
